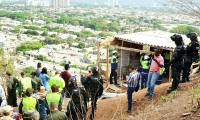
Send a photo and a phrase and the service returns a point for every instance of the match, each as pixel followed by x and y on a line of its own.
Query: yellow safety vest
pixel 114 57
pixel 144 64
pixel 29 104
pixel 26 83
pixel 53 97
pixel 167 56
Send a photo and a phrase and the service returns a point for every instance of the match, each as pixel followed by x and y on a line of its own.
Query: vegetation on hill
pixel 29 45
pixel 185 29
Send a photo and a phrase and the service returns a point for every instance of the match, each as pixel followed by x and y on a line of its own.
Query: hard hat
pixel 114 52
pixel 146 57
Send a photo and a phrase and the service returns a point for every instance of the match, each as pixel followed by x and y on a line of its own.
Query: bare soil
pixel 150 109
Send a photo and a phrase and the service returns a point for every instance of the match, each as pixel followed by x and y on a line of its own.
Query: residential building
pixel 37 3
pixel 60 3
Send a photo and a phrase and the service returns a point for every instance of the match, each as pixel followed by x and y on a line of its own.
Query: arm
pixel 47 77
pixel 159 64
pixel 20 89
pixel 10 82
pixel 20 107
pixel 128 80
pixel 62 83
pixel 60 103
pixel 3 94
pixel 101 87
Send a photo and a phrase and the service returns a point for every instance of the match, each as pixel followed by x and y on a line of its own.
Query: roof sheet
pixel 156 39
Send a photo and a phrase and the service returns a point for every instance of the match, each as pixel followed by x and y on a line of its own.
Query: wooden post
pixel 98 55
pixel 170 70
pixel 107 65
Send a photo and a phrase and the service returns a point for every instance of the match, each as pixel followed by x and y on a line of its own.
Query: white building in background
pixel 60 3
pixel 45 3
pixel 113 3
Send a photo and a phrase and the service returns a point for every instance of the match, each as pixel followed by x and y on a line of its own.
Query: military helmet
pixel 72 80
pixel 176 37
pixel 192 35
pixel 95 69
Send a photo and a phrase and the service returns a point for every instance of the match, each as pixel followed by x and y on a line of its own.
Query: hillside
pixel 150 109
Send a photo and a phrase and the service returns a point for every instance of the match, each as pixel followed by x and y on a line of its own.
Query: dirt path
pixel 147 109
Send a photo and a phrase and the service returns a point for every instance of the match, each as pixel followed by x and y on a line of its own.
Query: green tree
pixel 81 45
pixel 32 32
pixel 45 33
pixel 42 58
pixel 29 45
pixel 28 70
pixel 16 29
pixel 184 29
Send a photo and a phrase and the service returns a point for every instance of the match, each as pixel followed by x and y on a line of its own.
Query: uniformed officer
pixel 54 96
pixel 24 83
pixel 36 82
pixel 13 83
pixel 144 71
pixel 95 85
pixel 28 105
pixel 78 104
pixel 191 55
pixel 114 67
pixel 176 61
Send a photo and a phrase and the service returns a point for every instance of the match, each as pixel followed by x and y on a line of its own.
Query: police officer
pixel 176 61
pixel 54 96
pixel 29 105
pixel 36 82
pixel 78 103
pixel 95 85
pixel 191 55
pixel 114 67
pixel 144 71
pixel 24 83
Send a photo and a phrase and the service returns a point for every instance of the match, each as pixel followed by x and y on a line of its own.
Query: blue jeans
pixel 152 78
pixel 43 116
pixel 144 80
pixel 130 91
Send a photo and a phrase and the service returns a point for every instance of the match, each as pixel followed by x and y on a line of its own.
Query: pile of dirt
pixel 149 109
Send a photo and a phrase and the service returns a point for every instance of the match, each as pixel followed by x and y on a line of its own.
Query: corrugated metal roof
pixel 154 39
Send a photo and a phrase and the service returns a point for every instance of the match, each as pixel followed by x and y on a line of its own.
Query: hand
pixel 116 70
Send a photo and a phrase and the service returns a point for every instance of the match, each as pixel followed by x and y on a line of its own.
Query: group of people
pixel 152 67
pixel 34 106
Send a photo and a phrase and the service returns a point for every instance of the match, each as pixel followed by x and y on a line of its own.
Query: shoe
pixel 150 96
pixel 147 95
pixel 182 81
pixel 111 83
pixel 128 111
pixel 117 84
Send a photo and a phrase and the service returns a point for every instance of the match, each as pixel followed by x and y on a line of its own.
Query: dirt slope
pixel 149 109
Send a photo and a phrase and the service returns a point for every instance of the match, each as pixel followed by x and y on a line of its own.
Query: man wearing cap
pixel 13 83
pixel 36 82
pixel 57 80
pixel 7 112
pixel 54 96
pixel 114 67
pixel 28 105
pixel 24 83
pixel 144 71
pixel 55 114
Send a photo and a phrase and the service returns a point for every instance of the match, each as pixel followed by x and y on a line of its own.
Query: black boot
pixel 170 90
pixel 182 81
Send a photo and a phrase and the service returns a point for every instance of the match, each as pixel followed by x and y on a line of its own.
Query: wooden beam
pixel 170 70
pixel 132 49
pixel 105 42
pixel 98 55
pixel 107 65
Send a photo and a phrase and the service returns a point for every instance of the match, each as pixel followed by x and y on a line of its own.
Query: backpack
pixel 94 84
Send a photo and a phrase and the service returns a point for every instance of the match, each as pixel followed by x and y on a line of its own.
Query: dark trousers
pixel 113 73
pixel 12 99
pixel 26 117
pixel 186 68
pixel 176 71
pixel 130 91
pixel 144 80
pixel 166 74
pixel 94 98
pixel 74 110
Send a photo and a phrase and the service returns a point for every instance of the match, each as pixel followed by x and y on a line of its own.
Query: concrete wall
pixel 126 62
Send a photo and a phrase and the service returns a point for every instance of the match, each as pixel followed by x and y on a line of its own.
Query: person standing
pixel 13 83
pixel 36 82
pixel 176 61
pixel 55 114
pixel 114 68
pixel 58 81
pixel 144 71
pixel 78 104
pixel 24 83
pixel 38 70
pixel 154 72
pixel 28 105
pixel 95 85
pixel 132 82
pixel 191 55
pixel 166 59
pixel 66 76
pixel 54 96
pixel 2 97
pixel 45 78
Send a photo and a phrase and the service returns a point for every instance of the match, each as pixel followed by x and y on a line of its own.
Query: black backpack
pixel 94 84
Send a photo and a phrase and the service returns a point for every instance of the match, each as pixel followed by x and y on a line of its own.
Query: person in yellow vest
pixel 28 105
pixel 166 59
pixel 54 96
pixel 114 67
pixel 24 83
pixel 58 81
pixel 144 71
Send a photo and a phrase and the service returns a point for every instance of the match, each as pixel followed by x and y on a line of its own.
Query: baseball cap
pixel 29 90
pixel 8 73
pixel 54 87
pixel 6 109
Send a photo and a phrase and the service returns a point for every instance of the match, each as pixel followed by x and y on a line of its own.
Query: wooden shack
pixel 130 45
